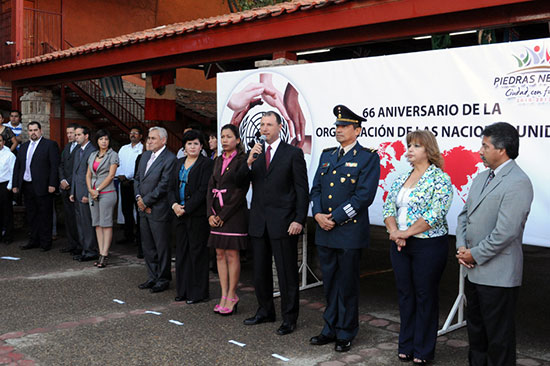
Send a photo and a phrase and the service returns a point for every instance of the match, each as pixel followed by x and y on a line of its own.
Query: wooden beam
pixel 16 93
pixel 17 28
pixel 62 122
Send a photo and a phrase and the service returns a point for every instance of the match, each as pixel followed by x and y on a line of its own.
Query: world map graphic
pixel 461 164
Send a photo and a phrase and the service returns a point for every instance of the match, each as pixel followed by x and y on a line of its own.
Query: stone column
pixel 36 106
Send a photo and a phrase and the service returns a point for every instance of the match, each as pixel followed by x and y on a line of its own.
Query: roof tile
pixel 179 29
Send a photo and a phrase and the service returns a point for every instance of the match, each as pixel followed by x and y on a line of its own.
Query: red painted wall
pixel 90 21
pixel 175 11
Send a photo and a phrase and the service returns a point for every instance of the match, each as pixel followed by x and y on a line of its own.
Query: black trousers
pixel 285 252
pixel 39 211
pixel 155 237
pixel 6 211
pixel 340 268
pixel 418 268
pixel 491 324
pixel 71 227
pixel 127 202
pixel 192 257
pixel 86 232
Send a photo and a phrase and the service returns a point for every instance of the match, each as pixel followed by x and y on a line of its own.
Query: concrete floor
pixel 56 311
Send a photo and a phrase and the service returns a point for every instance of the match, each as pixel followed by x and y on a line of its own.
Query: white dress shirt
pixel 154 156
pixel 274 147
pixel 7 162
pixel 27 176
pixel 127 156
pixel 499 168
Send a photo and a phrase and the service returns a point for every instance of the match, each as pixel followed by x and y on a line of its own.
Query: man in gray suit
pixel 65 181
pixel 151 185
pixel 488 240
pixel 79 195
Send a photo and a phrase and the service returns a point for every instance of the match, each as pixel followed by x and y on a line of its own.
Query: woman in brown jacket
pixel 228 215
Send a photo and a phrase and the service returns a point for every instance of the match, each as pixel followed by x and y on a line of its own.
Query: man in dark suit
pixel 488 241
pixel 151 185
pixel 343 189
pixel 35 175
pixel 277 215
pixel 65 181
pixel 79 195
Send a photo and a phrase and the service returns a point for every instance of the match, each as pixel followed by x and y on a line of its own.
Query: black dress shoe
pixel 76 251
pixel 321 340
pixel 87 258
pixel 257 319
pixel 180 298
pixel 191 302
pixel 77 257
pixel 159 287
pixel 286 328
pixel 27 246
pixel 146 285
pixel 342 345
pixel 66 250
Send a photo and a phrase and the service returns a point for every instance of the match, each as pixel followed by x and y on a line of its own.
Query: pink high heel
pixel 217 308
pixel 227 311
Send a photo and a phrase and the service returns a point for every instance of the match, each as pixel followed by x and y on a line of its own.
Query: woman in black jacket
pixel 188 201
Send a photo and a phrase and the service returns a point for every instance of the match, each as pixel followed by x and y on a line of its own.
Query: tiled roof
pixel 178 29
pixel 200 102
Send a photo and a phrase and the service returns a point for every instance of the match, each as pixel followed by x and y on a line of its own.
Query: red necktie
pixel 267 157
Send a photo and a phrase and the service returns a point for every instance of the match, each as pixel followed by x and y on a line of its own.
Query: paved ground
pixel 55 311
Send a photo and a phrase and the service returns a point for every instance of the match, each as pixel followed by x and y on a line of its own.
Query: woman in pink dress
pixel 228 215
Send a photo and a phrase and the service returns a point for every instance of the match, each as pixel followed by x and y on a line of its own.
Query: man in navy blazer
pixel 277 214
pixel 35 175
pixel 151 186
pixel 344 187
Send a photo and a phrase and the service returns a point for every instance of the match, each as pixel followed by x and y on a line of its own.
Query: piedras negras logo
pixel 530 82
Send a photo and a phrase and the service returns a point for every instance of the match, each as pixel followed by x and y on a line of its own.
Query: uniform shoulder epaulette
pixel 330 148
pixel 374 151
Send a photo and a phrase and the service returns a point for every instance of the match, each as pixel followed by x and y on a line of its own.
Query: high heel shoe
pixel 227 311
pixel 98 261
pixel 217 308
pixel 102 262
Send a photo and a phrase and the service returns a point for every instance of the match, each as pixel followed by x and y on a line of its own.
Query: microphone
pixel 261 140
pixel 253 142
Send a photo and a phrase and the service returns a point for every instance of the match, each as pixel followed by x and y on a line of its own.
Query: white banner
pixel 455 93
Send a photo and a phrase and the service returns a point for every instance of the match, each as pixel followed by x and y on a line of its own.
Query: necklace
pixel 101 156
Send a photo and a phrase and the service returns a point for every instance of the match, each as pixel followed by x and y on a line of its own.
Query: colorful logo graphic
pixel 533 59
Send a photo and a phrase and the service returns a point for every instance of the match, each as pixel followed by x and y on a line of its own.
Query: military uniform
pixel 344 186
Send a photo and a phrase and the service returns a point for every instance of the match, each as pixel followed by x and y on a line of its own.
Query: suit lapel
pixel 155 163
pixel 276 157
pixel 89 146
pixel 37 150
pixel 479 194
pixel 105 158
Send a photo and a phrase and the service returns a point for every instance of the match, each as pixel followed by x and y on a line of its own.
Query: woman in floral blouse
pixel 414 214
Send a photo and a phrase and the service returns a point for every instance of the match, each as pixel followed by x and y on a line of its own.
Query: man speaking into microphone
pixel 277 214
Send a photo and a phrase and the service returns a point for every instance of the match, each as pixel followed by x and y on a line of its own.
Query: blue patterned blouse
pixel 430 199
pixel 183 177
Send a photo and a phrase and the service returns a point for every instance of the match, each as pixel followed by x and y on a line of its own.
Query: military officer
pixel 343 188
